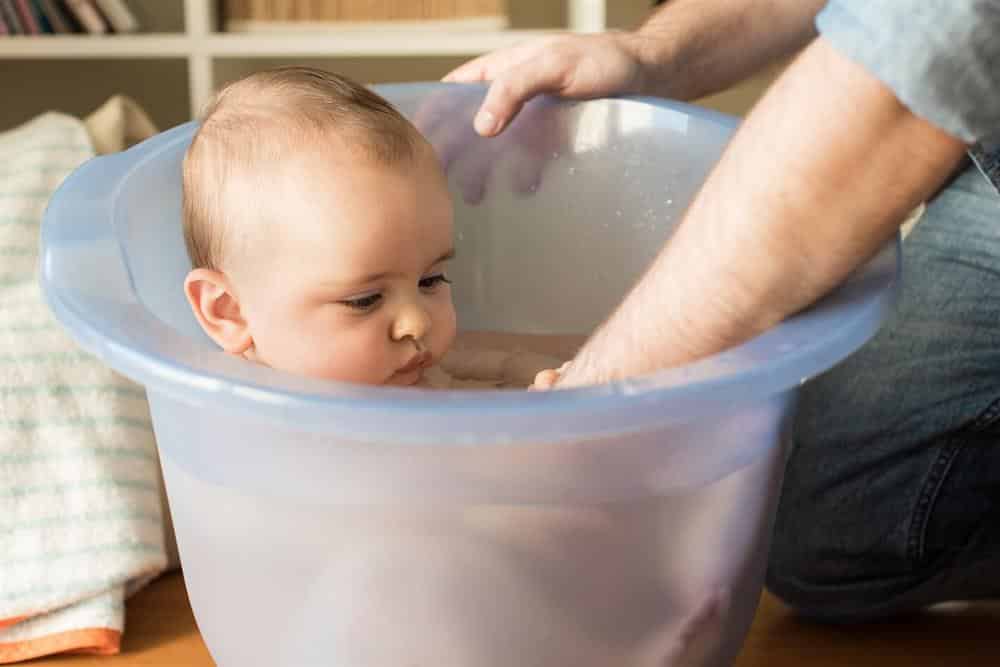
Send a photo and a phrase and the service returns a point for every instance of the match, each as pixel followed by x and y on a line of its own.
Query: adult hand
pixel 844 148
pixel 538 136
pixel 574 66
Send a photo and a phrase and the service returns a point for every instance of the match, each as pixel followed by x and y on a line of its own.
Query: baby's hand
pixel 547 379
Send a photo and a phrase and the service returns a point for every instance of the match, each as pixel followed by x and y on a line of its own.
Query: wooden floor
pixel 162 633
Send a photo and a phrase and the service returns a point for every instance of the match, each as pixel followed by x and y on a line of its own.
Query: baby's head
pixel 319 226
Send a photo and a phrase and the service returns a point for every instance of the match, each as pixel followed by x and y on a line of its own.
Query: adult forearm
pixel 817 178
pixel 692 48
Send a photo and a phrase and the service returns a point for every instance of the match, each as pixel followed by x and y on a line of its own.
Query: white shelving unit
pixel 195 40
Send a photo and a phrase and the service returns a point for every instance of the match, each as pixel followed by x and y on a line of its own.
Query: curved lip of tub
pixel 759 370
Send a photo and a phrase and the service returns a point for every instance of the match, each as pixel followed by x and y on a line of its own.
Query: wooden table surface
pixel 161 633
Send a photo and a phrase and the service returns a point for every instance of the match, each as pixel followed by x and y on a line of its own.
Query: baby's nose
pixel 412 322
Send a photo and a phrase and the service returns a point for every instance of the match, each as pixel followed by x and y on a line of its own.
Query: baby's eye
pixel 430 282
pixel 363 303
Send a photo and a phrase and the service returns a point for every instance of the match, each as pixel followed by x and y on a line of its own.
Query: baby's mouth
pixel 417 363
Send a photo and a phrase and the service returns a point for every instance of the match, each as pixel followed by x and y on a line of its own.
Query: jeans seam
pixel 916 540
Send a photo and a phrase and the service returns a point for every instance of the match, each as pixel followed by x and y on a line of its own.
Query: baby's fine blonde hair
pixel 266 117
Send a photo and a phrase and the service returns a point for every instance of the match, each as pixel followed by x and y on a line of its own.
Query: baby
pixel 319 225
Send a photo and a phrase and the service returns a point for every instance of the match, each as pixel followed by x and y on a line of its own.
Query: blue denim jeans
pixel 891 498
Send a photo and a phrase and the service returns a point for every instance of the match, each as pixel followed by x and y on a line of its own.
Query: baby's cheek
pixel 361 360
pixel 333 353
pixel 448 325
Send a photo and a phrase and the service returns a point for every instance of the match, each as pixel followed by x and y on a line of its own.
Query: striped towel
pixel 81 519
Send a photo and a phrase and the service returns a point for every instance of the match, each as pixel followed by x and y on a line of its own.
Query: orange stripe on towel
pixel 7 622
pixel 95 641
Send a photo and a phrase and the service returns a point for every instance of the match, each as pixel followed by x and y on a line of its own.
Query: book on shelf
pixel 313 15
pixel 10 17
pixel 86 14
pixel 28 19
pixel 118 15
pixel 41 17
pixel 44 25
pixel 58 18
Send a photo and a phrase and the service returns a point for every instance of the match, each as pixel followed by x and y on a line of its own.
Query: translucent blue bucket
pixel 331 524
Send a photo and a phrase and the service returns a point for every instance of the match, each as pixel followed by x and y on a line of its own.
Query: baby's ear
pixel 217 309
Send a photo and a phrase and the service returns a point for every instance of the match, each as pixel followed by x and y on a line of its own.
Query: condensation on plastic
pixel 663 485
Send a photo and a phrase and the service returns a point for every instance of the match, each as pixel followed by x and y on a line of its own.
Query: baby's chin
pixel 415 378
pixel 429 377
pixel 422 377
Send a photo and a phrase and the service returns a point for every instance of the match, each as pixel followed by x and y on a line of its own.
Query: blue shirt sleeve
pixel 941 58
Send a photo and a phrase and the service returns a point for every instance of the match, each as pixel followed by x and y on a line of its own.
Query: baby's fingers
pixel 545 380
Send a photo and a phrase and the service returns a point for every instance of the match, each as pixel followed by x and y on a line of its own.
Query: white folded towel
pixel 82 523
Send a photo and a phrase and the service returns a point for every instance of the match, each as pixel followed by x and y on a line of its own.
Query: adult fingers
pixel 473 71
pixel 474 176
pixel 445 119
pixel 487 67
pixel 433 112
pixel 453 141
pixel 526 173
pixel 509 91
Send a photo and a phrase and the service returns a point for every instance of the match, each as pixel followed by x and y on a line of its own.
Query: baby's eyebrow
pixel 375 277
pixel 445 257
